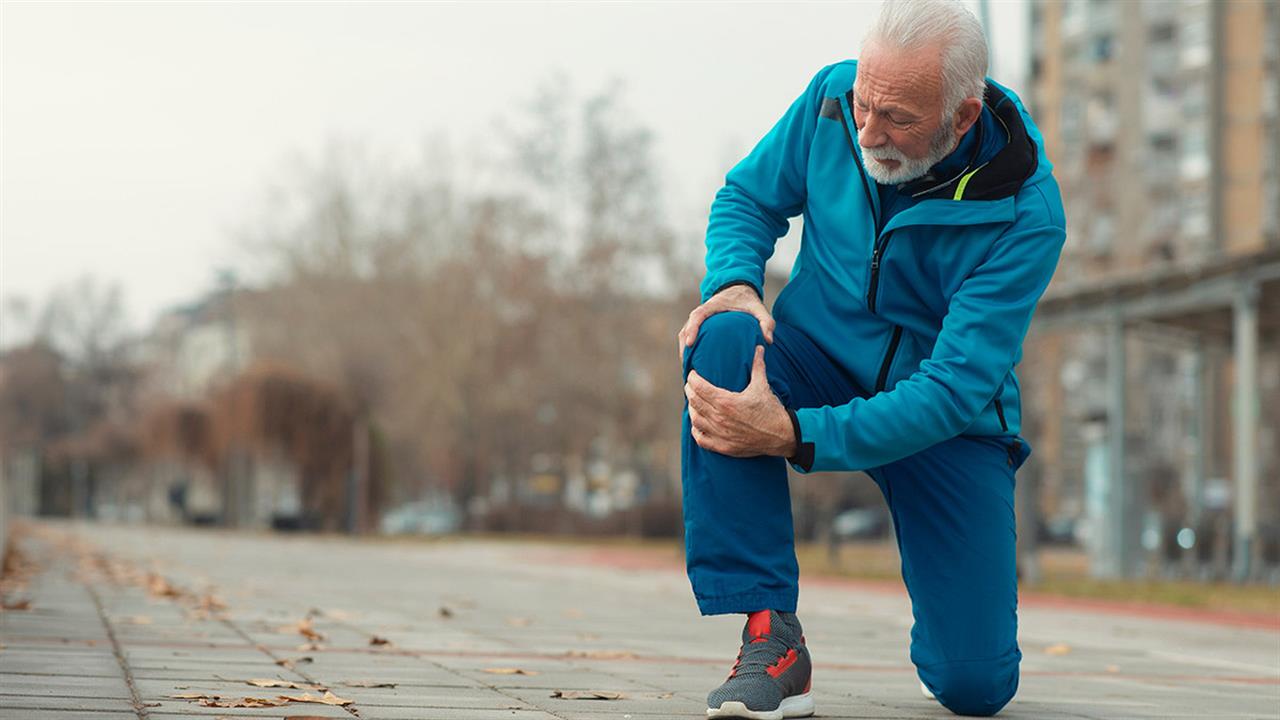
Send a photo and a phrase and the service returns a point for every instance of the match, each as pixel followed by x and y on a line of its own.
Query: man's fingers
pixel 690 329
pixel 697 405
pixel 705 440
pixel 704 389
pixel 758 374
pixel 766 322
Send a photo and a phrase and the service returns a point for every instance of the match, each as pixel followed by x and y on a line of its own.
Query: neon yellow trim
pixel 963 182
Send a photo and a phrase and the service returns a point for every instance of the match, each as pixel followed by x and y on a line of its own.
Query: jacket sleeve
pixel 766 188
pixel 980 340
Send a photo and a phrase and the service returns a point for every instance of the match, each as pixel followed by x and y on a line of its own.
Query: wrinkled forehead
pixel 907 78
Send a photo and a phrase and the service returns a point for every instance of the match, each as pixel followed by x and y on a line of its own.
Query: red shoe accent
pixel 783 663
pixel 758 624
pixel 807 684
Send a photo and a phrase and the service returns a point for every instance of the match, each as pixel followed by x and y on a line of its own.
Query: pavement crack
pixel 134 697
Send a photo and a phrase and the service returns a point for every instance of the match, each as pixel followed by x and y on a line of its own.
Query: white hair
pixel 916 24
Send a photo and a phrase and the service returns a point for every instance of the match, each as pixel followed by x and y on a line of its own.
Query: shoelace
pixel 754 657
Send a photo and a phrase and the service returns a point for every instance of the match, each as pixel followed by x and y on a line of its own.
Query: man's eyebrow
pixel 887 109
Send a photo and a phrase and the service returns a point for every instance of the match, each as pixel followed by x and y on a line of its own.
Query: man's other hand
pixel 752 422
pixel 736 297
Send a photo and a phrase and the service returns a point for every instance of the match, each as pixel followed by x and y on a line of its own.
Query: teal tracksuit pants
pixel 952 509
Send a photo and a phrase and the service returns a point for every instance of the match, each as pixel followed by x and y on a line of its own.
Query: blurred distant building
pixel 195 346
pixel 1162 119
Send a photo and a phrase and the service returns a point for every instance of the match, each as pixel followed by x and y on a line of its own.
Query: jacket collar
pixel 1001 176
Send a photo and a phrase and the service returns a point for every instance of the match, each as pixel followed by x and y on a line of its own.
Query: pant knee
pixel 724 347
pixel 733 326
pixel 978 688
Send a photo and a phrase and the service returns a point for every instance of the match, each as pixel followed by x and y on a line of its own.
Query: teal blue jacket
pixel 928 314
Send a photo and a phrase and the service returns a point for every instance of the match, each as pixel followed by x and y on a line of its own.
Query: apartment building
pixel 1153 363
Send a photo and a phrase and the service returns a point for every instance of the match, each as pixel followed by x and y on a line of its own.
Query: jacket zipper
pixel 1000 414
pixel 883 377
pixel 881 242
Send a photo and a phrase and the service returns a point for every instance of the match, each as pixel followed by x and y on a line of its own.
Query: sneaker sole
pixel 792 707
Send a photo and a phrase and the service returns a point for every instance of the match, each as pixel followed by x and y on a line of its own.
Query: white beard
pixel 943 142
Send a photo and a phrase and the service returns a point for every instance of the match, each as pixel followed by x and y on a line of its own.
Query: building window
pixel 1163 32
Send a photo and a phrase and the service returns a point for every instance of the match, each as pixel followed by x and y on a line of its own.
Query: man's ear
pixel 967 114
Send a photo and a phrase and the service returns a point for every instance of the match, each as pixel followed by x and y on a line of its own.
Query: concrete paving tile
pixel 47 702
pixel 859 638
pixel 32 714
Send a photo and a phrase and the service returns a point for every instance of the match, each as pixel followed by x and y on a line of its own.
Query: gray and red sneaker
pixel 771 679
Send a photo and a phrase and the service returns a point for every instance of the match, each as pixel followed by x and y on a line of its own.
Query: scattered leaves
pixel 368 684
pixel 328 698
pixel 377 640
pixel 510 671
pixel 17 605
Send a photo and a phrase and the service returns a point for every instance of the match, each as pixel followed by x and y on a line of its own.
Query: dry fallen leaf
pixel 159 587
pixel 327 699
pixel 17 605
pixel 588 695
pixel 212 603
pixel 510 671
pixel 246 702
pixel 218 701
pixel 1059 649
pixel 602 654
pixel 445 612
pixel 269 683
pixel 368 684
pixel 305 628
pixel 290 662
pixel 376 640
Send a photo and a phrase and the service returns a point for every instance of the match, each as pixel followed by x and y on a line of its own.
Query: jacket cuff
pixel 731 283
pixel 803 457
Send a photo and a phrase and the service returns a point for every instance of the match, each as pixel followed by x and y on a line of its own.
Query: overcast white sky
pixel 134 138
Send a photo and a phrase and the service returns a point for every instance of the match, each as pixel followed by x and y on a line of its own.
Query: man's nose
pixel 872 134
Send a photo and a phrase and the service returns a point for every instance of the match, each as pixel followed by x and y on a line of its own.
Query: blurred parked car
pixel 421 518
pixel 864 523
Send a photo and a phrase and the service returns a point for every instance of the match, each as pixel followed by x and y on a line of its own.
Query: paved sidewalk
pixel 123 618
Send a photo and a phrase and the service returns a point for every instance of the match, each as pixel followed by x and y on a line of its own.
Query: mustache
pixel 885 152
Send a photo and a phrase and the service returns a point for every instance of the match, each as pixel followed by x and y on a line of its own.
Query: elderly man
pixel 932 225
